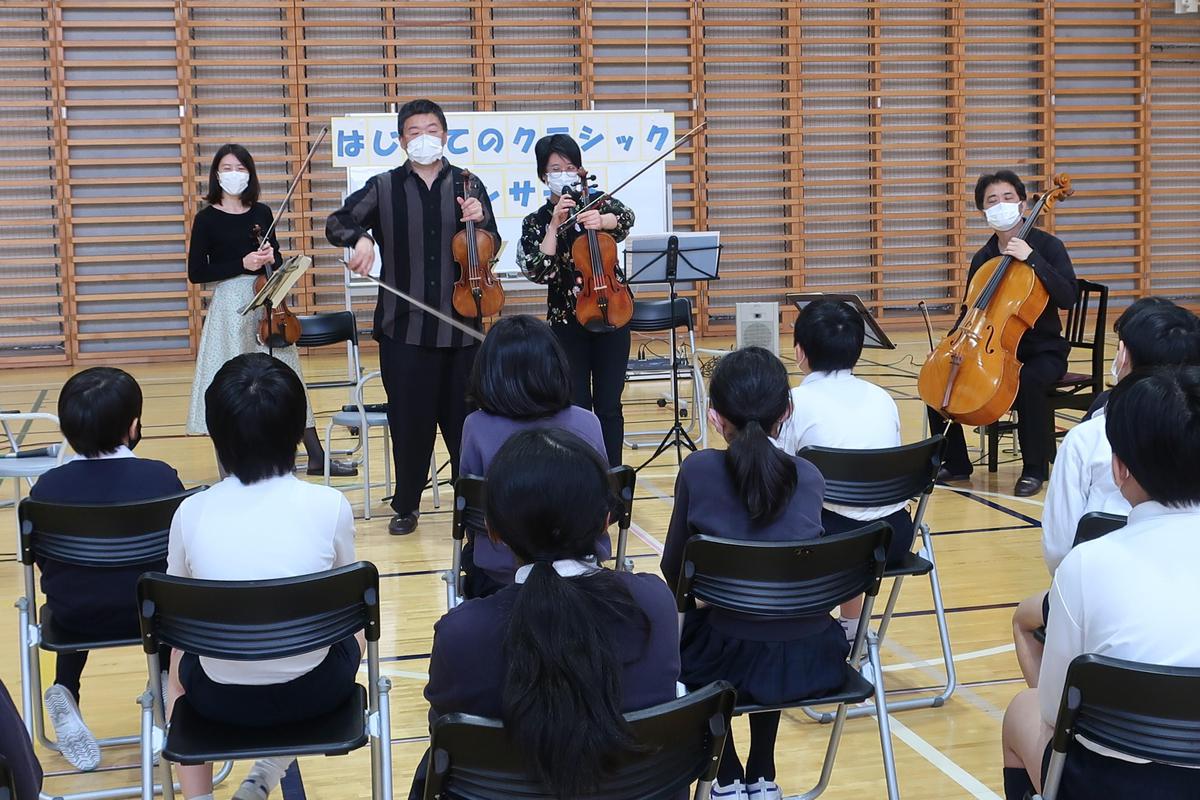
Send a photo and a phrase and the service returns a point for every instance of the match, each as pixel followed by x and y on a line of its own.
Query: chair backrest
pixel 1095 524
pixel 473 757
pixel 326 328
pixel 1089 334
pixel 470 498
pixel 1141 710
pixel 867 478
pixel 783 579
pixel 624 479
pixel 255 620
pixel 98 534
pixel 661 315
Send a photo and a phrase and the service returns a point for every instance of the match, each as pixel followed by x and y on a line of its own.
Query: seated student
pixel 17 750
pixel 1152 332
pixel 520 380
pixel 1131 595
pixel 100 411
pixel 833 408
pixel 561 653
pixel 753 491
pixel 261 522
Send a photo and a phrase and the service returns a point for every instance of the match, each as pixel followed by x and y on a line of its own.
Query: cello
pixel 604 302
pixel 477 292
pixel 971 376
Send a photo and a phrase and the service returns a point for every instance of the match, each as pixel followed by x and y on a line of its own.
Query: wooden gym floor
pixel 987 546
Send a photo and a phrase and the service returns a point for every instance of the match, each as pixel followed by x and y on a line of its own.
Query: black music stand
pixel 276 290
pixel 874 338
pixel 672 259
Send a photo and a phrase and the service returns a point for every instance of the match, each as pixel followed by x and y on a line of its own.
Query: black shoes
pixel 403 524
pixel 1027 486
pixel 946 476
pixel 337 469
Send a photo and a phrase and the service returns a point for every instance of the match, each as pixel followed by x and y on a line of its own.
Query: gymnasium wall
pixel 844 137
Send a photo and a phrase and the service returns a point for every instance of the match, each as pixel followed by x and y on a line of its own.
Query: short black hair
pixel 256 413
pixel 1000 176
pixel 521 370
pixel 831 334
pixel 96 409
pixel 1158 333
pixel 1152 421
pixel 414 107
pixel 559 143
pixel 250 194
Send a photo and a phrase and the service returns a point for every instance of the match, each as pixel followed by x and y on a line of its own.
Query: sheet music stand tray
pixel 875 337
pixel 276 290
pixel 673 258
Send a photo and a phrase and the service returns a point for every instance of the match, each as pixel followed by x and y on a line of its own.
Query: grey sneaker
pixel 75 742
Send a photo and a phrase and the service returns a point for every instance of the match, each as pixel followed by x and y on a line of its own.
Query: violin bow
pixel 427 309
pixel 678 143
pixel 287 198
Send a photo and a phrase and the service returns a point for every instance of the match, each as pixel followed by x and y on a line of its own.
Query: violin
pixel 477 292
pixel 278 326
pixel 971 376
pixel 604 302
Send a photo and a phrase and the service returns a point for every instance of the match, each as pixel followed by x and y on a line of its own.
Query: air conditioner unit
pixel 758 326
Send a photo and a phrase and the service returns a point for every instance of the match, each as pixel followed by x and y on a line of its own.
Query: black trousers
pixel 598 363
pixel 426 390
pixel 1035 420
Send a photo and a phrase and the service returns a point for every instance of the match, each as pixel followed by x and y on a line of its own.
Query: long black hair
pixel 749 388
pixel 249 195
pixel 548 499
pixel 521 371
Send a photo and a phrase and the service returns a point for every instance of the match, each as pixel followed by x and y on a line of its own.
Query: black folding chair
pixel 873 478
pixel 663 316
pixel 330 328
pixel 254 621
pixel 93 535
pixel 784 580
pixel 473 757
pixel 1092 525
pixel 470 495
pixel 1141 710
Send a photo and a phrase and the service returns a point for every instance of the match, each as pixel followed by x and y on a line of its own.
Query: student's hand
pixel 562 210
pixel 363 257
pixel 590 220
pixel 472 209
pixel 1018 249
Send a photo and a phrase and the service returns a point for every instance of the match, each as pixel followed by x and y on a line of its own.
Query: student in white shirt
pixel 1131 595
pixel 1152 332
pixel 261 522
pixel 833 408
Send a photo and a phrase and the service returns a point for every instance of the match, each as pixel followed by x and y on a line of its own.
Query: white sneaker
pixel 251 789
pixel 763 789
pixel 75 742
pixel 734 791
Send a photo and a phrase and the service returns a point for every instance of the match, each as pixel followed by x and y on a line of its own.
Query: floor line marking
pixel 943 762
pixel 933 662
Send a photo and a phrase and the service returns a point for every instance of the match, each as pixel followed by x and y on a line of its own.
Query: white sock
pixel 850 626
pixel 268 772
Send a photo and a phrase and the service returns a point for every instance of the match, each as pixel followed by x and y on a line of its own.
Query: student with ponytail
pixel 757 492
pixel 563 652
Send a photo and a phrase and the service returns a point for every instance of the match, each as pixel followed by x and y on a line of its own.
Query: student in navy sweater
pixel 753 491
pixel 100 411
pixel 520 380
pixel 563 652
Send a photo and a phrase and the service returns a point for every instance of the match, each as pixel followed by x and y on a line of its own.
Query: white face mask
pixel 1117 364
pixel 1003 216
pixel 234 182
pixel 425 149
pixel 559 181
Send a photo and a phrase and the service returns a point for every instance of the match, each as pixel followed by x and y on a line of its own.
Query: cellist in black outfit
pixel 1043 350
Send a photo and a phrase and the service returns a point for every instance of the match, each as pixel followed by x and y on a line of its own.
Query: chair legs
pixel 379 726
pixel 620 562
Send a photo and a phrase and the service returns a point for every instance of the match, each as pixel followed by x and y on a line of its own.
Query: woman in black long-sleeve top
pixel 561 653
pixel 752 491
pixel 224 249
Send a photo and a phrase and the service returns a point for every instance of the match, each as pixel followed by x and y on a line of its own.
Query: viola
pixel 278 326
pixel 477 292
pixel 604 302
pixel 971 376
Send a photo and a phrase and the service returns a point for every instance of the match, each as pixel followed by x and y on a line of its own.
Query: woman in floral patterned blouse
pixel 598 360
